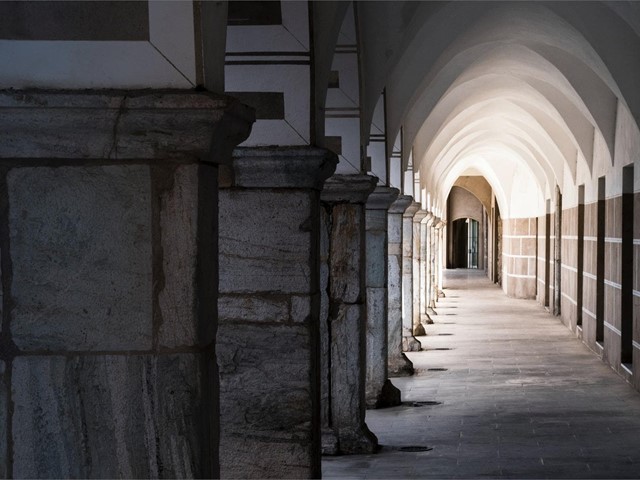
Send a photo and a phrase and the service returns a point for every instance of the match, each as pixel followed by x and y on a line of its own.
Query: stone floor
pixel 520 398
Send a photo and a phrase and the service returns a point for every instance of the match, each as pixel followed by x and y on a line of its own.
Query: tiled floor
pixel 521 398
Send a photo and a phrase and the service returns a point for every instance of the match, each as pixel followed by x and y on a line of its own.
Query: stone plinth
pixel 345 431
pixel 399 364
pixel 110 226
pixel 269 308
pixel 409 342
pixel 380 392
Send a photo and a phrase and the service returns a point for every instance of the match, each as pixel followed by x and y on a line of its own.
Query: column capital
pixel 419 215
pixel 401 204
pixel 282 167
pixel 439 224
pixel 381 198
pixel 348 188
pixel 428 219
pixel 90 125
pixel 411 209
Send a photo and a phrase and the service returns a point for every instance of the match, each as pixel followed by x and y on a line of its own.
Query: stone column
pixel 344 197
pixel 109 255
pixel 430 242
pixel 409 342
pixel 434 262
pixel 380 392
pixel 269 309
pixel 441 260
pixel 418 273
pixel 399 364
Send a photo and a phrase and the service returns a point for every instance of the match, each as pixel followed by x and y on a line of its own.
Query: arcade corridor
pixel 521 397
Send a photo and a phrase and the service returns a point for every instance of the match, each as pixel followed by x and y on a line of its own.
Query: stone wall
pixel 569 256
pixel 519 257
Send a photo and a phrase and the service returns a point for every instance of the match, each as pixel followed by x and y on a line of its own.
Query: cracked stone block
pixel 265 241
pixel 265 405
pixel 81 254
pixel 345 268
pixel 108 416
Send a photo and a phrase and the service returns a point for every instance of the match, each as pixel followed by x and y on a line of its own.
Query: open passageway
pixel 520 397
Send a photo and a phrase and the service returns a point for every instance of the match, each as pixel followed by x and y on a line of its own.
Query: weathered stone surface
pixel 266 403
pixel 398 363
pixel 108 416
pixel 376 345
pixel 178 231
pixel 265 241
pixel 111 124
pixel 346 263
pixel 382 198
pixel 347 382
pixel 348 188
pixel 418 274
pixel 400 205
pixel 376 257
pixel 282 167
pixel 409 342
pixel 329 439
pixel 265 308
pixel 81 255
pixel 3 422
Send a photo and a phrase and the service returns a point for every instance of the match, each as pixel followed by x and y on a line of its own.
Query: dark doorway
pixel 465 243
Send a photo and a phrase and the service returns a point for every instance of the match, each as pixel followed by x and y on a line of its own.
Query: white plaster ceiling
pixel 516 91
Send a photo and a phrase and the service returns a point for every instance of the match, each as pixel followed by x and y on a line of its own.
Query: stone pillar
pixel 409 342
pixel 439 260
pixel 431 242
pixel 399 364
pixel 344 197
pixel 425 250
pixel 380 392
pixel 109 256
pixel 434 261
pixel 269 308
pixel 418 273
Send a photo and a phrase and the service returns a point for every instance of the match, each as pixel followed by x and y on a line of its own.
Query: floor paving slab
pixel 521 398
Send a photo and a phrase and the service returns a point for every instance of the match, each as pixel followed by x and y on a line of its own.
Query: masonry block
pixel 87 416
pixel 81 255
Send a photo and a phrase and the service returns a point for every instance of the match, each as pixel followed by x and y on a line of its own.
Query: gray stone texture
pixel 81 254
pixel 112 124
pixel 409 342
pixel 376 280
pixel 344 220
pixel 398 363
pixel 348 380
pixel 266 407
pixel 3 421
pixel 268 308
pixel 418 278
pixel 264 245
pixel 177 306
pixel 107 416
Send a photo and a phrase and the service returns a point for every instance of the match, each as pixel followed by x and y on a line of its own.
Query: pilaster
pixel 398 363
pixel 380 392
pixel 418 273
pixel 409 342
pixel 269 309
pixel 343 329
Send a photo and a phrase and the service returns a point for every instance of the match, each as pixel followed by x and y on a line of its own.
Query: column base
pixel 431 311
pixel 401 367
pixel 441 294
pixel 419 331
pixel 426 319
pixel 357 440
pixel 411 344
pixel 389 396
pixel 329 442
